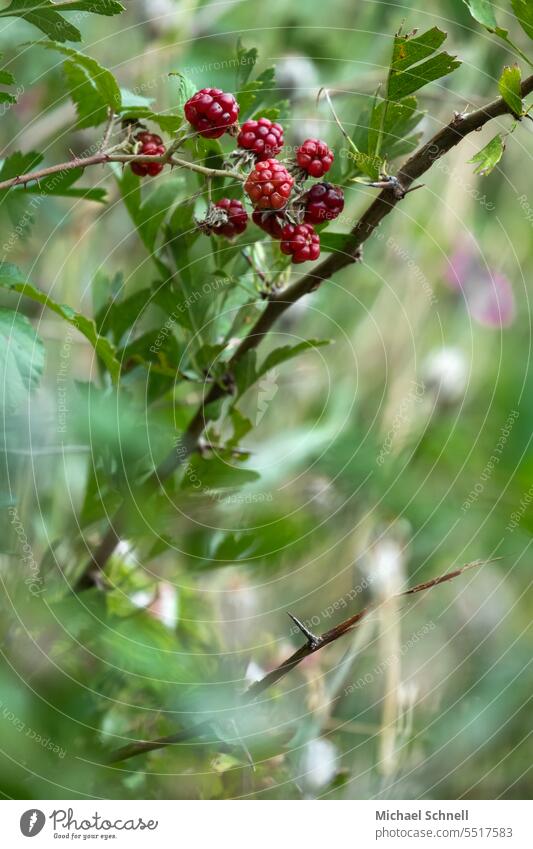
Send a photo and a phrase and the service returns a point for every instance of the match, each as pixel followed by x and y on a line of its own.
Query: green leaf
pixel 186 88
pixel 19 163
pixel 6 78
pixel 406 82
pixel 168 123
pixel 22 359
pixel 61 185
pixel 203 475
pixel 408 51
pixel 523 10
pixel 331 242
pixel 93 88
pixel 11 278
pixel 509 86
pixel 44 15
pixel 413 64
pixel 287 352
pixel 482 12
pixel 246 60
pixel 489 156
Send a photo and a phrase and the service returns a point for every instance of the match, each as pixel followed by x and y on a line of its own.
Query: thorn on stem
pixel 312 640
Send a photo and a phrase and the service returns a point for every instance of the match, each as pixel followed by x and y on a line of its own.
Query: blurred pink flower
pixel 488 294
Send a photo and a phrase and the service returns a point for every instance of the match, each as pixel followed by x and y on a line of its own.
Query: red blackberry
pixel 315 157
pixel 236 221
pixel 262 137
pixel 323 202
pixel 301 242
pixel 269 185
pixel 269 222
pixel 150 145
pixel 212 112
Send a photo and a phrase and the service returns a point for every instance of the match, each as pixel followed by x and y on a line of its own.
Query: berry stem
pixel 109 156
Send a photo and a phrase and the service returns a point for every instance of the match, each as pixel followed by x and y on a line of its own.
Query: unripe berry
pixel 212 112
pixel 323 202
pixel 237 218
pixel 269 222
pixel 150 145
pixel 315 157
pixel 269 185
pixel 262 137
pixel 301 242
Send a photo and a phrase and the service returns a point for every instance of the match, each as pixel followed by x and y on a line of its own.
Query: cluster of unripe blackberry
pixel 283 208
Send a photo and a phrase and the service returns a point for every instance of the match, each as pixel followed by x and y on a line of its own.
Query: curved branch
pixel 420 162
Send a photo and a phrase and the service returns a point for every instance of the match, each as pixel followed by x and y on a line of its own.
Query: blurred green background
pixel 374 455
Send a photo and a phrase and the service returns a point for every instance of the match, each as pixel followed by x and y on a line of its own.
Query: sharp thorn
pixel 312 640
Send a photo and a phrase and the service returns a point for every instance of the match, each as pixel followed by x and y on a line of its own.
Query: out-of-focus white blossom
pixel 319 764
pixel 445 372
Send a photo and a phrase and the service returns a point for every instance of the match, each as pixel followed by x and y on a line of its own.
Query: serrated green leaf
pixel 487 158
pixel 186 88
pixel 102 79
pixel 246 60
pixel 19 163
pixel 48 17
pixel 6 78
pixel 509 88
pixel 523 10
pixel 406 82
pixel 11 278
pixel 483 12
pixel 22 359
pixel 408 51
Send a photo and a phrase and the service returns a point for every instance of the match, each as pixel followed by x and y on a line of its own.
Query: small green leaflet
pixel 413 65
pixel 6 78
pixel 287 352
pixel 489 156
pixel 100 78
pixel 48 16
pixel 94 90
pixel 483 13
pixel 509 87
pixel 186 88
pixel 139 108
pixel 246 60
pixel 248 372
pixel 22 359
pixel 11 278
pixel 523 10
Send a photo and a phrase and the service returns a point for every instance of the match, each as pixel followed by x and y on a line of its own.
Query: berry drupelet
pixel 237 218
pixel 323 202
pixel 269 185
pixel 212 112
pixel 315 157
pixel 262 137
pixel 149 144
pixel 301 242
